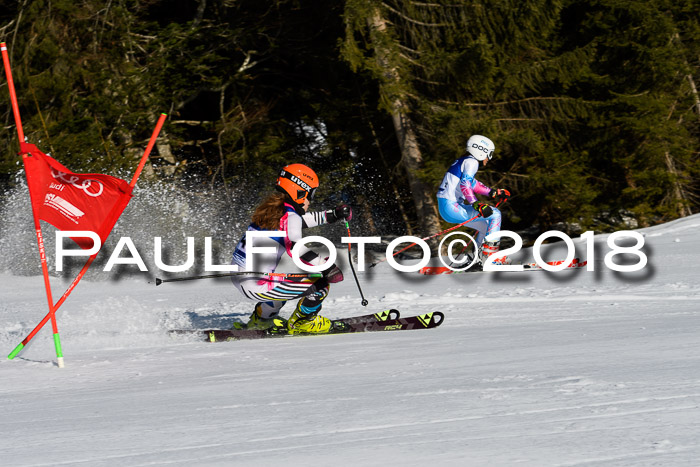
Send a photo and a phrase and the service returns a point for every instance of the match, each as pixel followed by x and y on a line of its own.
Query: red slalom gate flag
pixel 71 201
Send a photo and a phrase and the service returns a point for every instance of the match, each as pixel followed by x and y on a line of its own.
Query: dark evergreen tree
pixel 593 104
pixel 467 68
pixel 643 140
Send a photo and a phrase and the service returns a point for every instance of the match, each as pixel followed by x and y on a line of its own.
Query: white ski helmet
pixel 480 147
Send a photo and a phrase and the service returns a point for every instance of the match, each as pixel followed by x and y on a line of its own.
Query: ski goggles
pixel 301 194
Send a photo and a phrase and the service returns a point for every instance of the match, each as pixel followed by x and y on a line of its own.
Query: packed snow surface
pixel 535 368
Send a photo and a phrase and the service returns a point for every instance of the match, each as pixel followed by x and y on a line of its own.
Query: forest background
pixel 593 104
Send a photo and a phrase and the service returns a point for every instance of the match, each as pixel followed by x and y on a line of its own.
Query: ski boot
pixel 257 322
pixel 486 251
pixel 308 323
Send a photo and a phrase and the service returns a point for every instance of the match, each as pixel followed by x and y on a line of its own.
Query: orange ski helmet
pixel 298 181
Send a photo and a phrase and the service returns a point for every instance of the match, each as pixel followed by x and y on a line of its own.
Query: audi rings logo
pixel 93 188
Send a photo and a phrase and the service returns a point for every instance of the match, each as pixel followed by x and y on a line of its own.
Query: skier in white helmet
pixel 457 199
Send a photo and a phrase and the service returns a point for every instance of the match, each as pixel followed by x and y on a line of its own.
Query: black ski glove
pixel 341 212
pixel 482 208
pixel 501 194
pixel 333 274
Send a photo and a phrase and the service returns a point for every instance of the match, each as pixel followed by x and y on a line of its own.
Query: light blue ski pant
pixel 456 213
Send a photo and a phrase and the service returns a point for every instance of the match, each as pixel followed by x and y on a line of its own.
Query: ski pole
pixel 425 238
pixel 460 254
pixel 352 268
pixel 241 273
pixel 429 237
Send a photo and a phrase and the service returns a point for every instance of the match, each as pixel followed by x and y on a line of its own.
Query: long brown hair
pixel 268 213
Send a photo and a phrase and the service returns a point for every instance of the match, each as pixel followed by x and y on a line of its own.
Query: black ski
pixel 373 317
pixel 425 321
pixel 386 315
pixel 384 321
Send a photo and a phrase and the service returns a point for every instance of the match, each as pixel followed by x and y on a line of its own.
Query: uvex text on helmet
pixel 298 181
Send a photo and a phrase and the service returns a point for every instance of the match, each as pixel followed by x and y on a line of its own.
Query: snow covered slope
pixel 533 368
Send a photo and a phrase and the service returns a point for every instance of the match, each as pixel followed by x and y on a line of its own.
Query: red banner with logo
pixel 71 201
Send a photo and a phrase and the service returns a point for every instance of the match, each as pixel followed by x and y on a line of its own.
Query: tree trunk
pixel 694 91
pixel 392 181
pixel 412 161
pixel 679 194
pixel 411 157
pixel 679 197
